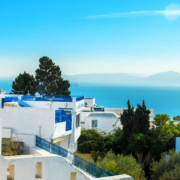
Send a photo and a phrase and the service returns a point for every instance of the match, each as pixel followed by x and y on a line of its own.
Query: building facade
pixel 54 118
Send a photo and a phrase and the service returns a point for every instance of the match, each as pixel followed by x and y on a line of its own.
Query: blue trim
pixel 11 99
pixel 60 98
pixel 79 98
pixel 61 116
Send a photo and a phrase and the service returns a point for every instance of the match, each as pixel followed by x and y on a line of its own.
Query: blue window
pixel 94 123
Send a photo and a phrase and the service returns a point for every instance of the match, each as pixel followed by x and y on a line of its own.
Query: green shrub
pixel 121 165
pixel 167 168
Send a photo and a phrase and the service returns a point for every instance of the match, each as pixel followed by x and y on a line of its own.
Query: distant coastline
pixel 163 78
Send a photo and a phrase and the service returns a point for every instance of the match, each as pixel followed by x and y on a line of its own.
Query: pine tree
pixel 24 83
pixel 127 120
pixel 141 122
pixel 48 75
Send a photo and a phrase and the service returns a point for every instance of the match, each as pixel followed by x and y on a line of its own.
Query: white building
pixel 41 164
pixel 100 117
pixel 54 118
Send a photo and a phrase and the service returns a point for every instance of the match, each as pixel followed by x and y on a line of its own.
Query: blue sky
pixel 80 36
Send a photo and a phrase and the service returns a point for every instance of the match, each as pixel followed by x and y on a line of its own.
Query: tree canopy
pixel 48 75
pixel 135 121
pixel 168 168
pixel 24 83
pixel 161 119
pixel 144 146
pixel 177 118
pixel 119 164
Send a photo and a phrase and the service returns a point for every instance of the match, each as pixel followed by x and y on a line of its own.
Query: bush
pixel 121 165
pixel 94 140
pixel 167 168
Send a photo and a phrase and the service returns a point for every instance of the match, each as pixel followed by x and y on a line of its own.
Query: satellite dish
pixel 41 90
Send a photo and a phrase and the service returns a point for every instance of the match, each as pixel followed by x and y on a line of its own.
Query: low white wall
pixel 53 167
pixel 29 140
pixel 6 133
pixel 33 151
pixel 118 111
pixel 46 104
pixel 89 101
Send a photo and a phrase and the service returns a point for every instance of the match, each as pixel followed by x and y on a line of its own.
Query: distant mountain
pixel 101 77
pixel 139 74
pixel 164 77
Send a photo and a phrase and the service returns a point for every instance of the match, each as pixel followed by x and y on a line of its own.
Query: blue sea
pixel 162 99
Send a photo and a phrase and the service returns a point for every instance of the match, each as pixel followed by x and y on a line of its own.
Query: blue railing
pixel 11 99
pixel 77 161
pixel 62 98
pixel 61 116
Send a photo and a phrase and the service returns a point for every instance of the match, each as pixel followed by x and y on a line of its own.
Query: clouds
pixel 172 12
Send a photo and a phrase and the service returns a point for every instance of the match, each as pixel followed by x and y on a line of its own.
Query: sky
pixel 92 36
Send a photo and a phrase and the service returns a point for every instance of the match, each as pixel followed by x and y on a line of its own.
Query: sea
pixel 162 99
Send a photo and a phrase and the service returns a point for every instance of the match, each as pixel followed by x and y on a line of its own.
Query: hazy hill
pixel 102 77
pixel 164 77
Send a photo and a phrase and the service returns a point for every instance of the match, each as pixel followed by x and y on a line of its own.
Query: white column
pixel 0 135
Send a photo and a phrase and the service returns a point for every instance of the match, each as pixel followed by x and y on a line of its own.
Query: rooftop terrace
pixel 58 98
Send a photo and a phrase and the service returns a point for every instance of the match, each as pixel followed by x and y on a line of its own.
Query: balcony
pixel 64 116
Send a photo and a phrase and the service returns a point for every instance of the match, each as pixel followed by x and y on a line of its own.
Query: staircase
pixel 78 162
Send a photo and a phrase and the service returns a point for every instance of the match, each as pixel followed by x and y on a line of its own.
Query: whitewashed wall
pixel 53 168
pixel 83 119
pixel 104 123
pixel 89 101
pixel 6 133
pixel 28 120
pixel 36 121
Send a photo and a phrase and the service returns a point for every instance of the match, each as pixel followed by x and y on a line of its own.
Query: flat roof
pixel 104 114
